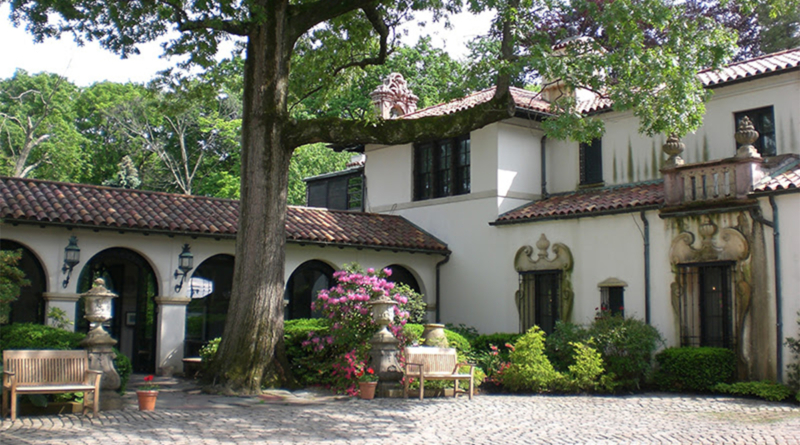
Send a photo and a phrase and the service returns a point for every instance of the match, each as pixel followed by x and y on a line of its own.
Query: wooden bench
pixel 430 363
pixel 48 372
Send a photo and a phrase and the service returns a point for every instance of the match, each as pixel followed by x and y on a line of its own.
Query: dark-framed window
pixel 442 168
pixel 591 160
pixel 612 299
pixel 302 288
pixel 539 300
pixel 763 120
pixel 707 305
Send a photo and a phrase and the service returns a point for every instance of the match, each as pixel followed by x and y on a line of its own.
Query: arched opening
pixel 301 290
pixel 210 291
pixel 29 307
pixel 401 275
pixel 135 312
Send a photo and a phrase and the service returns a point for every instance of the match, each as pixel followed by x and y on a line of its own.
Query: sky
pixel 90 63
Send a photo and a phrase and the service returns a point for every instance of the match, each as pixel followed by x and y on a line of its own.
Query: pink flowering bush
pixel 343 349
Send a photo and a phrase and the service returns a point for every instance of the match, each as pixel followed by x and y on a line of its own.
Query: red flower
pixel 370 371
pixel 148 379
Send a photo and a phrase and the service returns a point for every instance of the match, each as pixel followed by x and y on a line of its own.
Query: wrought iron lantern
pixel 72 256
pixel 185 264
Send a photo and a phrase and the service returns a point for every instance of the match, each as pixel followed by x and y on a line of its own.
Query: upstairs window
pixel 591 159
pixel 441 168
pixel 764 122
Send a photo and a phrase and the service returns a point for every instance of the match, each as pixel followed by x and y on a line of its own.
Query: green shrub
pixel 559 346
pixel 485 342
pixel 694 369
pixel 465 331
pixel 530 370
pixel 627 346
pixel 587 368
pixel 306 362
pixel 124 369
pixel 766 390
pixel 414 332
pixel 415 306
pixel 37 336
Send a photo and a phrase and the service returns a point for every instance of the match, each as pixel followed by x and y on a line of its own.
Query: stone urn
pixel 433 335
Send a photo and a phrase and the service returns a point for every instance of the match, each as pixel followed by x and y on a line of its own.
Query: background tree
pixel 12 279
pixel 661 86
pixel 38 137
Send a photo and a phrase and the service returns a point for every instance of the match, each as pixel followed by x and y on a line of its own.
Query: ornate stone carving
pixel 673 148
pixel 393 98
pixel 731 245
pixel 561 261
pixel 745 135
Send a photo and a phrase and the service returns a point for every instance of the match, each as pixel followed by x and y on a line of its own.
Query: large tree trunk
pixel 253 334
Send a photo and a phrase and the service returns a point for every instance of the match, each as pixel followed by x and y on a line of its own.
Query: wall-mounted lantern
pixel 185 264
pixel 72 256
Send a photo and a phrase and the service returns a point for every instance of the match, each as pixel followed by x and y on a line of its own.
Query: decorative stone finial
pixel 393 98
pixel 673 148
pixel 543 244
pixel 745 135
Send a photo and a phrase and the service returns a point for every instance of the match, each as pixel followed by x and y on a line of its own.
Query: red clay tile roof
pixel 770 63
pixel 48 202
pixel 525 100
pixel 785 176
pixel 530 101
pixel 606 199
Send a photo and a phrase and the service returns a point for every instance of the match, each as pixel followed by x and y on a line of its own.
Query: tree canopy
pixel 298 49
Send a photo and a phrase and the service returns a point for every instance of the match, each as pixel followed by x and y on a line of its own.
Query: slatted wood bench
pixel 48 372
pixel 431 363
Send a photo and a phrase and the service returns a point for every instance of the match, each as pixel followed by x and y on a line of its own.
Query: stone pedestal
pixel 100 345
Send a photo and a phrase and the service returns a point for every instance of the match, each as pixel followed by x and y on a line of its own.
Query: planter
pixel 434 335
pixel 147 400
pixel 366 390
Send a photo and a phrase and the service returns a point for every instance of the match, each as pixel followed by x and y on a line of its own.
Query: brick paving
pixel 185 416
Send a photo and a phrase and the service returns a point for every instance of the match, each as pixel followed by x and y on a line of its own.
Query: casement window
pixel 763 120
pixel 591 160
pixel 707 305
pixel 612 300
pixel 539 300
pixel 339 192
pixel 442 168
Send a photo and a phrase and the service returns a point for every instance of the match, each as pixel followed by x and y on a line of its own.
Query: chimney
pixel 393 99
pixel 554 89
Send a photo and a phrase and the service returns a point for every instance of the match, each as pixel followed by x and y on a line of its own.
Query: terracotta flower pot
pixel 147 400
pixel 366 390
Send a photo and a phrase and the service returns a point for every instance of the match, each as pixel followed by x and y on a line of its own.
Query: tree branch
pixel 305 16
pixel 185 24
pixel 401 131
pixel 374 16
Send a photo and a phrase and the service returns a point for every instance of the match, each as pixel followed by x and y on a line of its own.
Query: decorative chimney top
pixel 357 160
pixel 745 135
pixel 393 99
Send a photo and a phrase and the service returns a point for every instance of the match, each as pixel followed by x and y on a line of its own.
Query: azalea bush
pixel 341 350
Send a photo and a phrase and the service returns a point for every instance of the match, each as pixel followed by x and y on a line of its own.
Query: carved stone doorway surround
pixel 561 262
pixel 728 244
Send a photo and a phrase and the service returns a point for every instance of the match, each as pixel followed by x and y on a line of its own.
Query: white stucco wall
pixel 161 252
pixel 789 215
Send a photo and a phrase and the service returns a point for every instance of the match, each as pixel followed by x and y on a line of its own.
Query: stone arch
pixel 302 288
pixel 405 275
pixel 30 306
pixel 131 276
pixel 210 293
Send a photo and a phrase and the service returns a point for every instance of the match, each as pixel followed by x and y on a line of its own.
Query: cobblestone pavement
pixel 185 416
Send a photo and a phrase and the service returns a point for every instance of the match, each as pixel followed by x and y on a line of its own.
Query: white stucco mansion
pixel 501 228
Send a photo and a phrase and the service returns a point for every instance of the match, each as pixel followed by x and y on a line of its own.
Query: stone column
pixel 66 302
pixel 100 345
pixel 171 334
pixel 385 351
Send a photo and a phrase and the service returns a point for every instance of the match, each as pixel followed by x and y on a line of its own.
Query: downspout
pixel 543 145
pixel 438 287
pixel 646 267
pixel 776 241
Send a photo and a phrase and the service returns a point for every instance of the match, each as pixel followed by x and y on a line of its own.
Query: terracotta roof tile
pixel 104 207
pixel 589 201
pixel 530 101
pixel 770 63
pixel 784 176
pixel 525 100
